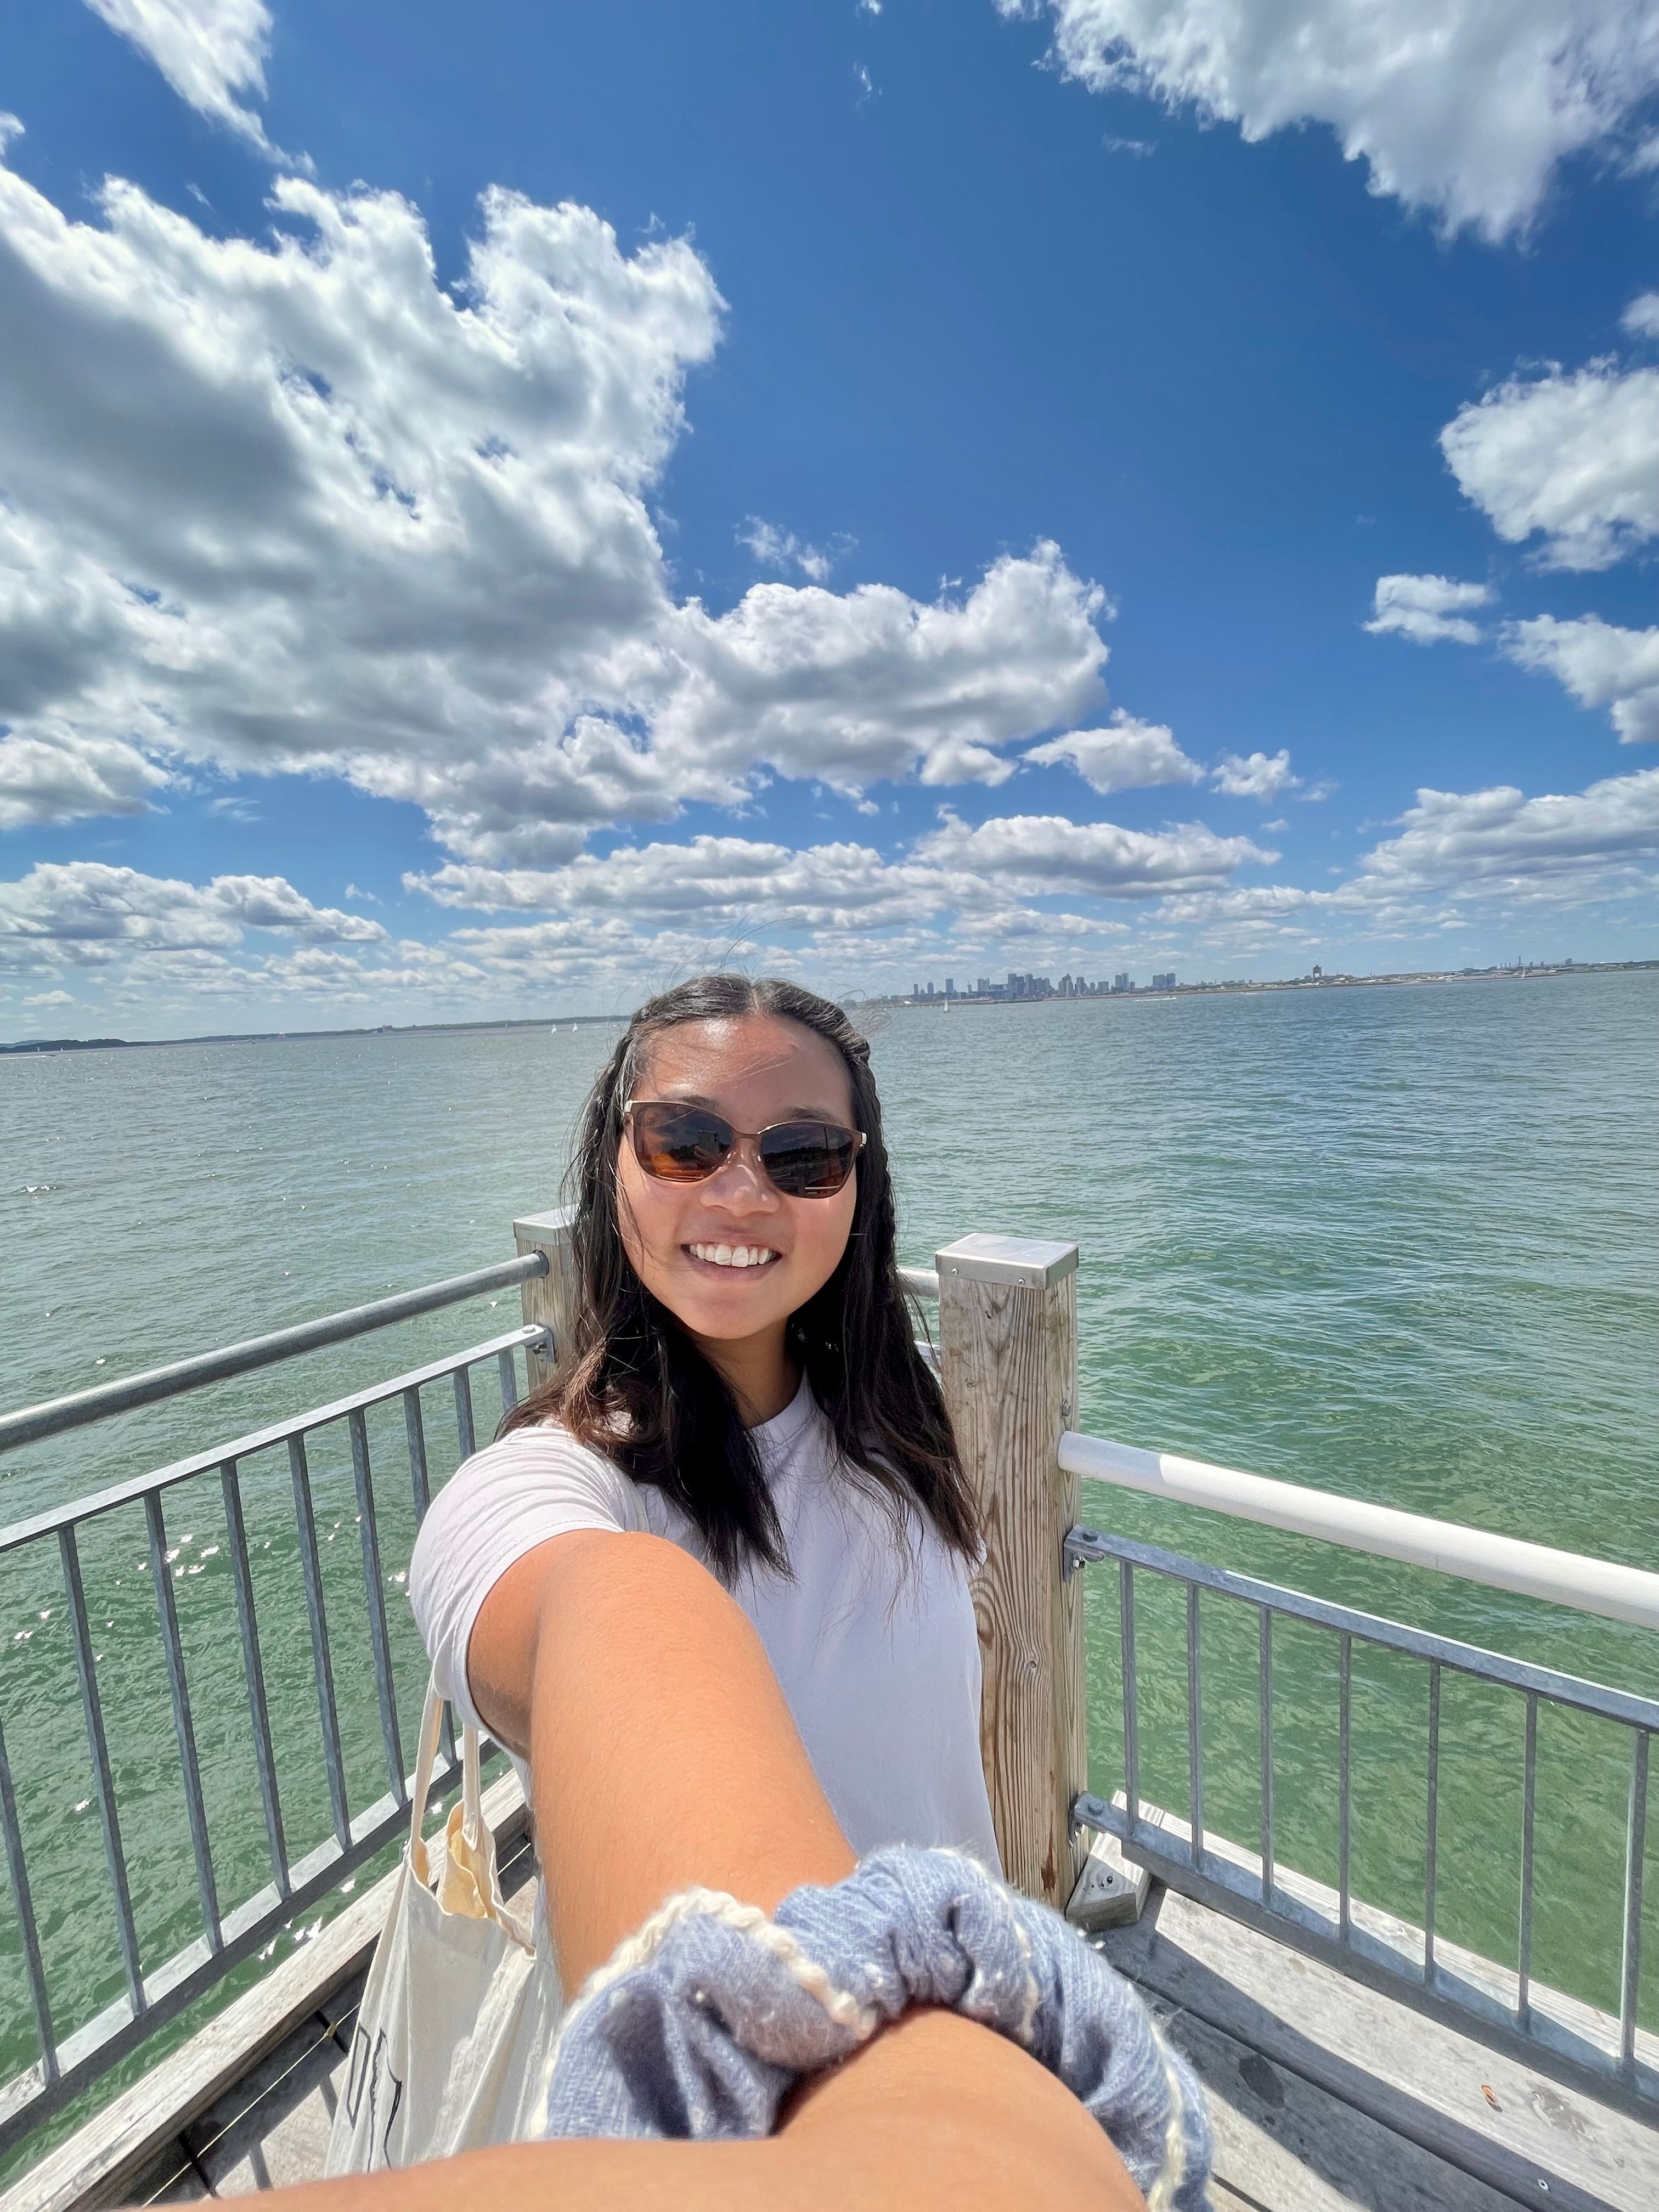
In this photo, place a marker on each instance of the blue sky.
(493, 516)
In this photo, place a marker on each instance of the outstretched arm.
(663, 1755)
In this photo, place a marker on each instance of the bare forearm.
(663, 1752)
(937, 2115)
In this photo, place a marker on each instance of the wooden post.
(546, 1297)
(1008, 1358)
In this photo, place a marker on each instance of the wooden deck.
(1324, 2096)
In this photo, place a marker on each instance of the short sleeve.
(535, 1484)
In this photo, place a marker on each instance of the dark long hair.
(631, 1383)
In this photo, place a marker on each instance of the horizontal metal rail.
(530, 1336)
(1506, 1563)
(30, 1423)
(1087, 1545)
(919, 1282)
(73, 2053)
(1607, 2053)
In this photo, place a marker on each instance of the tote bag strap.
(426, 1760)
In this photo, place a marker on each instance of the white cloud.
(1572, 456)
(295, 506)
(850, 688)
(961, 874)
(207, 51)
(716, 883)
(1459, 856)
(1501, 838)
(1428, 608)
(1044, 853)
(48, 999)
(774, 547)
(83, 911)
(1255, 775)
(1128, 757)
(53, 779)
(1641, 318)
(1458, 106)
(1599, 664)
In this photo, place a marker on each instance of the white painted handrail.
(1599, 1586)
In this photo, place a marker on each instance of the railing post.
(546, 1297)
(1008, 1359)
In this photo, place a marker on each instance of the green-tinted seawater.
(1398, 1242)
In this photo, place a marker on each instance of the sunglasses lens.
(679, 1143)
(809, 1159)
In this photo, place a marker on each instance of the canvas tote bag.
(459, 2011)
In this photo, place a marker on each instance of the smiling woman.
(738, 1375)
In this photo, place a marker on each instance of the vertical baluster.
(1195, 1725)
(420, 1480)
(18, 1875)
(1343, 1786)
(1636, 1829)
(183, 1728)
(1432, 1842)
(415, 1429)
(254, 1668)
(1523, 1994)
(1265, 1716)
(464, 1411)
(103, 1782)
(509, 1380)
(1125, 1608)
(374, 1594)
(317, 1619)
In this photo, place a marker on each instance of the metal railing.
(1607, 2052)
(52, 1418)
(71, 2056)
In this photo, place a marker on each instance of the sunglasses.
(680, 1143)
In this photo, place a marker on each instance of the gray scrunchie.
(703, 2021)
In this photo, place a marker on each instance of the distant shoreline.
(1529, 973)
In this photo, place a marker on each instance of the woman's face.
(754, 1070)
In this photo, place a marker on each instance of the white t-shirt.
(873, 1641)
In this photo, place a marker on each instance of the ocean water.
(1398, 1242)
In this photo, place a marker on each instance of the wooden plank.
(1283, 2143)
(1483, 2111)
(97, 2164)
(1230, 1878)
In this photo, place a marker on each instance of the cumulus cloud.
(1255, 775)
(1572, 457)
(209, 51)
(849, 688)
(1457, 856)
(774, 547)
(1641, 318)
(295, 506)
(1480, 839)
(1456, 106)
(84, 911)
(1428, 608)
(715, 882)
(1039, 853)
(1128, 757)
(1600, 665)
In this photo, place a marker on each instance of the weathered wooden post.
(1008, 1358)
(546, 1297)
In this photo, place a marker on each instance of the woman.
(739, 1377)
(740, 1391)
